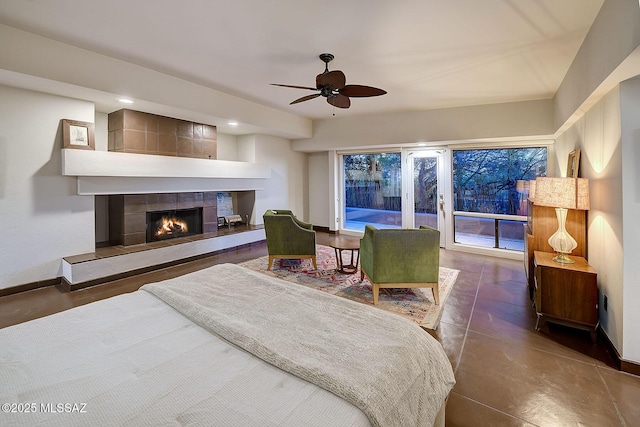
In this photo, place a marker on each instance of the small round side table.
(341, 245)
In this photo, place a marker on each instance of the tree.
(425, 173)
(486, 180)
(369, 178)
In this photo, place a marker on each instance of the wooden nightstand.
(566, 293)
(541, 224)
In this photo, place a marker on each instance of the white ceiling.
(425, 53)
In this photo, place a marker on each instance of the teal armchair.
(400, 258)
(288, 237)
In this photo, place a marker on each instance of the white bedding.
(134, 360)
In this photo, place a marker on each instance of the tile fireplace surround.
(128, 213)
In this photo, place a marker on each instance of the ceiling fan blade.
(339, 101)
(295, 87)
(358, 91)
(335, 78)
(305, 98)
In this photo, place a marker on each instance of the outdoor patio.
(469, 231)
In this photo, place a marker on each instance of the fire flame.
(171, 225)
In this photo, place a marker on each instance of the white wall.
(630, 119)
(320, 181)
(612, 38)
(608, 136)
(287, 187)
(597, 135)
(227, 147)
(42, 218)
(101, 126)
(246, 148)
(509, 120)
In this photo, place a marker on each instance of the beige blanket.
(395, 372)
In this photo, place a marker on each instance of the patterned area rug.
(415, 304)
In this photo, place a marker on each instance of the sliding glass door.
(425, 190)
(372, 185)
(392, 190)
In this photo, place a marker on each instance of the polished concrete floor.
(507, 373)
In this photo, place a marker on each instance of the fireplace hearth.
(171, 224)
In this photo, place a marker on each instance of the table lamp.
(562, 194)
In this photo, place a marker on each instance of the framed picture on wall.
(573, 164)
(77, 134)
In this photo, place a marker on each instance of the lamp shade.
(568, 193)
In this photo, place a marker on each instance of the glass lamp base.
(562, 258)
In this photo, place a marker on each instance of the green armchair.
(400, 258)
(288, 237)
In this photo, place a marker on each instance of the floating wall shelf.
(111, 164)
(108, 172)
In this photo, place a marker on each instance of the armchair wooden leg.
(436, 294)
(270, 262)
(376, 291)
(313, 260)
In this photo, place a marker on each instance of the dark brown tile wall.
(143, 133)
(128, 213)
(209, 212)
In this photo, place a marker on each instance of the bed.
(222, 346)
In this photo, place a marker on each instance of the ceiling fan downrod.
(326, 58)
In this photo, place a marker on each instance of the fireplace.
(170, 224)
(128, 214)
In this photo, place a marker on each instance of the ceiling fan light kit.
(332, 86)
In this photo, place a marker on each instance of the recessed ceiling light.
(125, 101)
(232, 123)
(421, 144)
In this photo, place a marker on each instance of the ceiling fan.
(332, 85)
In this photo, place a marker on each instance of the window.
(372, 186)
(490, 189)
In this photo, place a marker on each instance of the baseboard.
(621, 364)
(630, 367)
(323, 229)
(30, 286)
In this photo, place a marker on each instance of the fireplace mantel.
(110, 163)
(108, 172)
